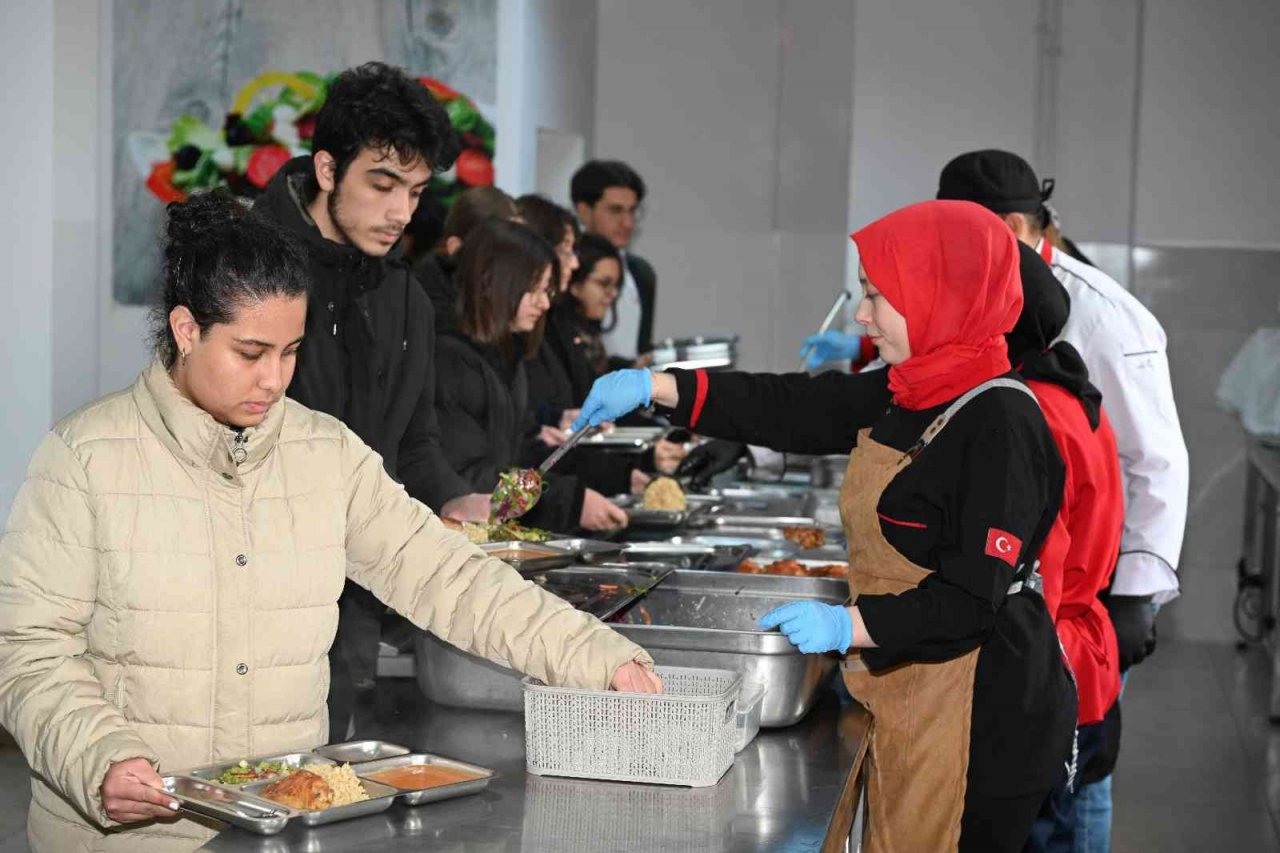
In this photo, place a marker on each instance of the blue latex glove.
(812, 626)
(614, 395)
(830, 346)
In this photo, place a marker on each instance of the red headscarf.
(951, 269)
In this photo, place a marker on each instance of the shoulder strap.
(943, 419)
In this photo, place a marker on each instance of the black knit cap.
(1000, 181)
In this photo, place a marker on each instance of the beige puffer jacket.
(159, 600)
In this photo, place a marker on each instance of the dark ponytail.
(218, 256)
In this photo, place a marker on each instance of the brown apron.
(920, 711)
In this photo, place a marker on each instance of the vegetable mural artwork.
(272, 120)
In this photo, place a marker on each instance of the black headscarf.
(1045, 306)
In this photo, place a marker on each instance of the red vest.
(1079, 555)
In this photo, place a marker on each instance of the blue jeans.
(1093, 804)
(1093, 818)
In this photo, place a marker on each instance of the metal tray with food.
(450, 676)
(378, 798)
(791, 567)
(709, 619)
(588, 550)
(262, 768)
(602, 590)
(526, 557)
(228, 805)
(361, 751)
(425, 778)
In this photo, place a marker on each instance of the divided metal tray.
(243, 805)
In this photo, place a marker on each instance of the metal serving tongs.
(505, 503)
(841, 299)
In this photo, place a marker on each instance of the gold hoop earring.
(183, 353)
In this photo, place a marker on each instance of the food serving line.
(748, 749)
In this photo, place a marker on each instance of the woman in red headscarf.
(953, 483)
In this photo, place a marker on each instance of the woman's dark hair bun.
(218, 255)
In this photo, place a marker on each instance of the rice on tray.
(346, 787)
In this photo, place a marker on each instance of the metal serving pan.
(719, 520)
(294, 760)
(361, 751)
(705, 351)
(380, 799)
(689, 556)
(659, 519)
(631, 439)
(588, 550)
(708, 619)
(450, 676)
(526, 557)
(418, 796)
(602, 590)
(229, 805)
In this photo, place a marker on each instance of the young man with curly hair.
(370, 335)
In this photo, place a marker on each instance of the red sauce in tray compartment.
(417, 777)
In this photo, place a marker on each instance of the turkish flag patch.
(1003, 546)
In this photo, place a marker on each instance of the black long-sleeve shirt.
(993, 468)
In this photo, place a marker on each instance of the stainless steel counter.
(781, 792)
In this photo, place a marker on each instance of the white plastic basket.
(685, 736)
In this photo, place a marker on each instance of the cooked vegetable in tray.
(509, 531)
(244, 773)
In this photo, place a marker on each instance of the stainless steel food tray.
(415, 797)
(602, 590)
(690, 556)
(726, 520)
(634, 439)
(659, 519)
(527, 557)
(702, 351)
(211, 772)
(361, 751)
(380, 799)
(450, 676)
(708, 619)
(228, 805)
(588, 550)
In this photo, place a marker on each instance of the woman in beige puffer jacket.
(169, 583)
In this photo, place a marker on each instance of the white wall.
(546, 81)
(26, 236)
(1207, 174)
(737, 116)
(76, 182)
(933, 80)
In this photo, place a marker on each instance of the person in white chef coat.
(1123, 346)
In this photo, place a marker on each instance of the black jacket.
(559, 374)
(647, 286)
(368, 354)
(439, 279)
(481, 401)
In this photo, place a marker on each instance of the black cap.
(1000, 181)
